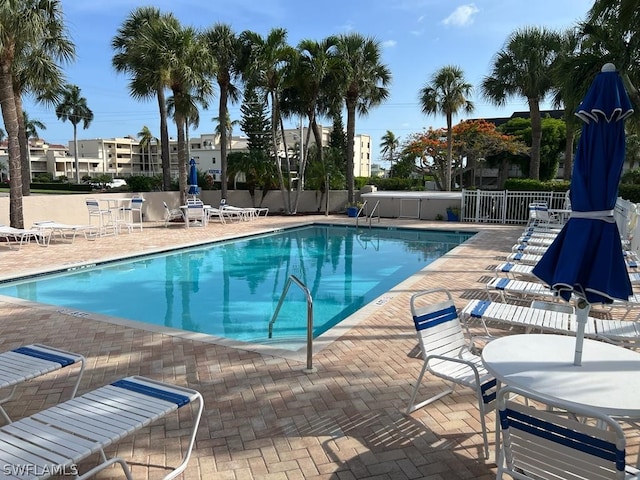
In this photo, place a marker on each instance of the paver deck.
(264, 417)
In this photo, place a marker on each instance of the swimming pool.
(230, 289)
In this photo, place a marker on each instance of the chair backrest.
(136, 203)
(551, 439)
(223, 202)
(437, 323)
(92, 205)
(195, 210)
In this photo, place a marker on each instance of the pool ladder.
(293, 279)
(371, 215)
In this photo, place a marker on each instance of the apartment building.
(124, 157)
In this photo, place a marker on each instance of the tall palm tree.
(145, 139)
(309, 92)
(225, 128)
(363, 81)
(141, 51)
(27, 26)
(269, 58)
(447, 94)
(389, 145)
(572, 75)
(611, 31)
(226, 49)
(189, 79)
(74, 108)
(36, 71)
(524, 68)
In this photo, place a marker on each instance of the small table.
(608, 379)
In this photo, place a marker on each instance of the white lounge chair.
(19, 236)
(446, 353)
(546, 438)
(31, 361)
(55, 440)
(623, 332)
(65, 232)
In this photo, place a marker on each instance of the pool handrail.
(293, 279)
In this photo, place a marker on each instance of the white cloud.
(389, 43)
(462, 16)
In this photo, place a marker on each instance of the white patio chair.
(548, 439)
(196, 214)
(171, 214)
(447, 355)
(103, 216)
(133, 213)
(57, 439)
(64, 231)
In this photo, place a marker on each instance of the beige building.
(122, 157)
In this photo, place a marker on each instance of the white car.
(116, 182)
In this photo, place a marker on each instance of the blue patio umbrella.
(586, 259)
(193, 178)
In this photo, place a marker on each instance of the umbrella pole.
(582, 313)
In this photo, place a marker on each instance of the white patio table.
(608, 379)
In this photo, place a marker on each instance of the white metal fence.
(505, 207)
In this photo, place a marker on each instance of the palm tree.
(363, 81)
(524, 68)
(447, 93)
(189, 70)
(73, 107)
(313, 93)
(36, 71)
(269, 58)
(389, 144)
(27, 26)
(225, 128)
(141, 51)
(226, 49)
(146, 137)
(611, 32)
(31, 126)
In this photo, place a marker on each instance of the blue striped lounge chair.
(447, 353)
(31, 361)
(54, 441)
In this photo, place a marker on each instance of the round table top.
(608, 379)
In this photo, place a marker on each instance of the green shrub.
(629, 192)
(530, 185)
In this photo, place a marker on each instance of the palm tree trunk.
(182, 157)
(76, 163)
(536, 138)
(351, 130)
(164, 141)
(222, 115)
(274, 139)
(449, 151)
(23, 140)
(10, 118)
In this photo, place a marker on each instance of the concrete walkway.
(264, 418)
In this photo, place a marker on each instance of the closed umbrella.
(193, 178)
(586, 259)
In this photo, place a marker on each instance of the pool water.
(231, 289)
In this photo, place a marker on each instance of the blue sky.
(418, 38)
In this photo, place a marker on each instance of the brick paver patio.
(264, 417)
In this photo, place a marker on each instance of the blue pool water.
(231, 289)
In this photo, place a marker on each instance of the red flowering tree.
(473, 140)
